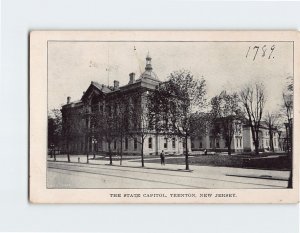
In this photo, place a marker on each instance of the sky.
(224, 65)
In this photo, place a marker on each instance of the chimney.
(68, 99)
(131, 78)
(116, 84)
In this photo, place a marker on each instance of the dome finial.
(148, 62)
(148, 56)
(148, 73)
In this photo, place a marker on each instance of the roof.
(101, 87)
(147, 79)
(73, 104)
(149, 74)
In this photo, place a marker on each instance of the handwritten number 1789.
(260, 51)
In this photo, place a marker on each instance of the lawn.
(272, 162)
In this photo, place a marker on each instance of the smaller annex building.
(241, 142)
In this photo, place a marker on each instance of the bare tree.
(121, 121)
(103, 123)
(54, 130)
(226, 115)
(253, 99)
(273, 122)
(175, 102)
(288, 106)
(71, 127)
(139, 119)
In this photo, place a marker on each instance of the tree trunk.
(229, 140)
(110, 156)
(290, 154)
(54, 155)
(121, 154)
(271, 140)
(256, 143)
(68, 152)
(290, 158)
(142, 153)
(94, 151)
(229, 147)
(290, 181)
(87, 150)
(255, 138)
(186, 154)
(256, 149)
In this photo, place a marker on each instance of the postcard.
(164, 116)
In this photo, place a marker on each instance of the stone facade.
(264, 139)
(78, 125)
(217, 143)
(241, 142)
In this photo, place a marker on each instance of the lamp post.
(51, 149)
(94, 142)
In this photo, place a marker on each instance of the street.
(98, 174)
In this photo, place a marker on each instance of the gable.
(93, 90)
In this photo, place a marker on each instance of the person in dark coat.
(162, 158)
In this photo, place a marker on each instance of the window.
(135, 143)
(183, 144)
(115, 144)
(151, 121)
(166, 143)
(126, 143)
(173, 143)
(166, 121)
(150, 143)
(192, 144)
(115, 109)
(200, 145)
(108, 110)
(217, 143)
(94, 108)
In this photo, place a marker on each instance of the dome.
(148, 73)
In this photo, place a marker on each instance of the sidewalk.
(270, 178)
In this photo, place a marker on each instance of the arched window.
(94, 104)
(173, 143)
(135, 143)
(150, 143)
(126, 143)
(166, 143)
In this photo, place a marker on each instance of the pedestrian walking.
(162, 158)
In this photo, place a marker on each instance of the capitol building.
(83, 133)
(77, 116)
